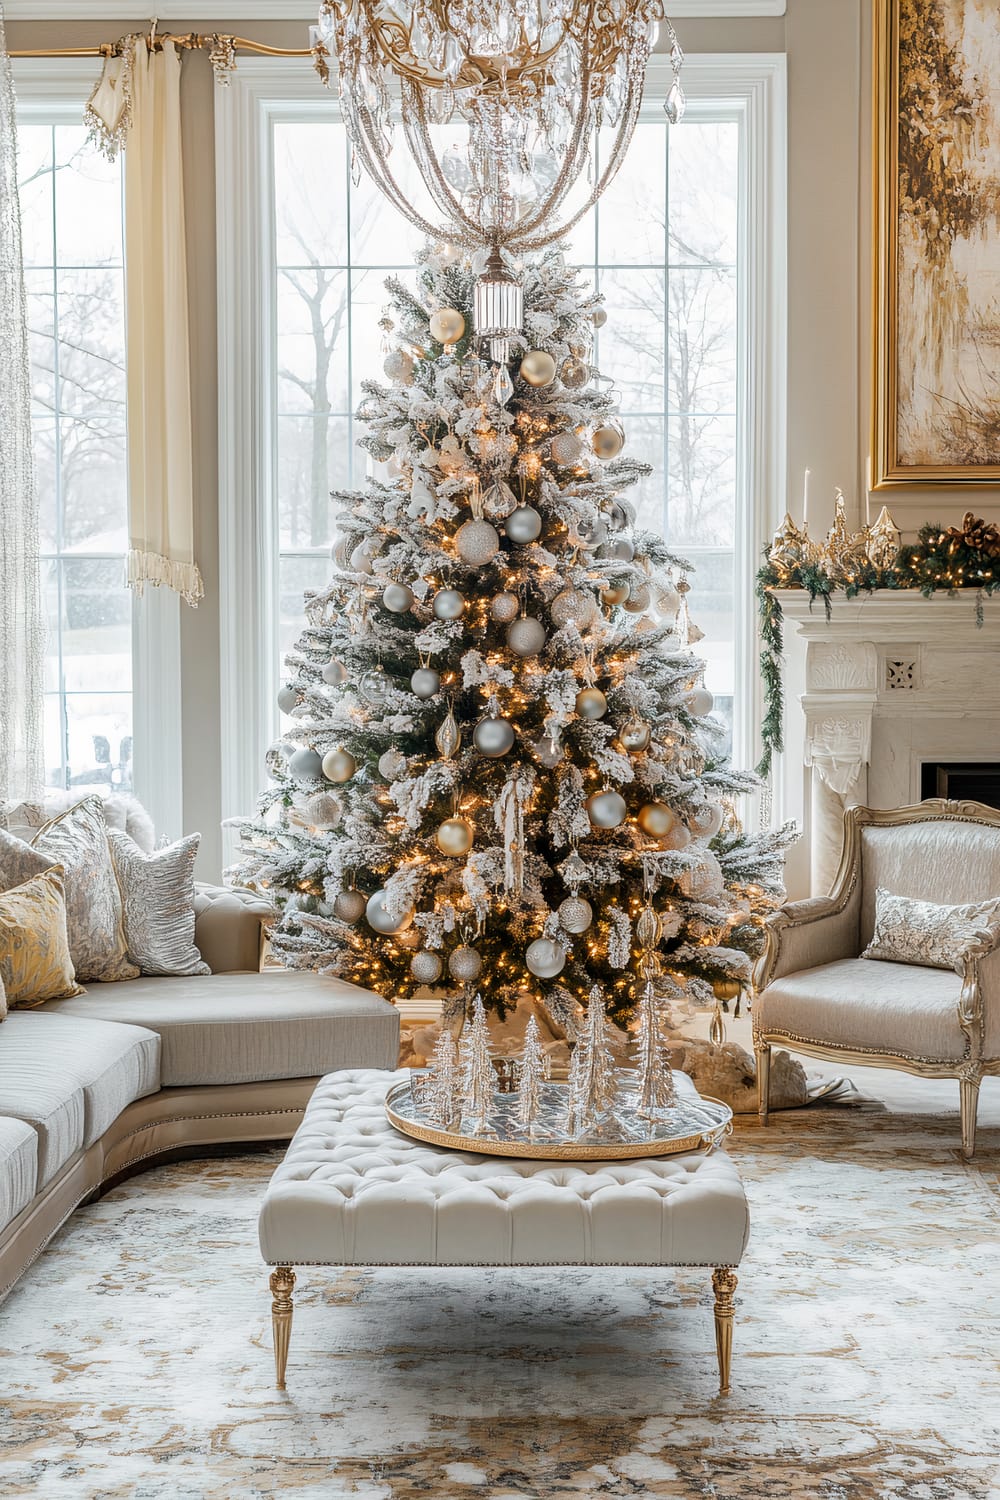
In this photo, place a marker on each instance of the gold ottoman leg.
(282, 1282)
(724, 1287)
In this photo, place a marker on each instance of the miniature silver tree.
(532, 1070)
(655, 1081)
(443, 1094)
(592, 1084)
(479, 1079)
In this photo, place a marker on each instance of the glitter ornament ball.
(322, 811)
(576, 606)
(334, 673)
(493, 737)
(526, 636)
(397, 598)
(504, 608)
(615, 593)
(448, 604)
(638, 599)
(524, 524)
(608, 442)
(575, 914)
(455, 836)
(349, 906)
(591, 703)
(538, 368)
(635, 736)
(425, 966)
(574, 374)
(566, 449)
(288, 699)
(425, 682)
(447, 325)
(339, 765)
(545, 958)
(379, 918)
(699, 702)
(465, 964)
(398, 366)
(306, 765)
(606, 809)
(656, 819)
(391, 764)
(478, 543)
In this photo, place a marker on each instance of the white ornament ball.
(575, 914)
(599, 317)
(322, 811)
(591, 703)
(455, 836)
(361, 561)
(545, 958)
(576, 606)
(504, 607)
(391, 764)
(465, 964)
(526, 636)
(538, 368)
(493, 737)
(288, 699)
(707, 820)
(608, 442)
(447, 325)
(398, 366)
(397, 598)
(638, 599)
(448, 604)
(524, 524)
(349, 905)
(425, 966)
(425, 682)
(339, 765)
(478, 542)
(699, 702)
(379, 918)
(606, 809)
(307, 765)
(566, 449)
(334, 672)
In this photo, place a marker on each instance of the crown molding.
(169, 11)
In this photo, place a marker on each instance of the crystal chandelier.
(519, 87)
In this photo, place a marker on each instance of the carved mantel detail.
(838, 748)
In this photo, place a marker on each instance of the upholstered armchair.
(816, 994)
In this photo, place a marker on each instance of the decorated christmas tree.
(500, 748)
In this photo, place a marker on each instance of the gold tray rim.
(433, 1135)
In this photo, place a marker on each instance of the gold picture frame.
(936, 398)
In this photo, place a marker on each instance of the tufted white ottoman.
(353, 1191)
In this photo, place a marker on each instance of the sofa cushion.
(35, 962)
(70, 1078)
(245, 1028)
(865, 1004)
(227, 927)
(18, 1168)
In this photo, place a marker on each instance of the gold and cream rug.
(136, 1353)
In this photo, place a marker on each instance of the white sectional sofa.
(93, 1087)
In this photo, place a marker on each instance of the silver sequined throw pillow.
(158, 897)
(921, 932)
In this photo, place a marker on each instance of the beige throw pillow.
(158, 894)
(908, 931)
(35, 963)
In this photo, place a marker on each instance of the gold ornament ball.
(455, 836)
(339, 765)
(591, 703)
(477, 542)
(504, 608)
(426, 966)
(726, 989)
(447, 325)
(608, 442)
(615, 593)
(656, 819)
(606, 809)
(538, 368)
(635, 736)
(465, 964)
(349, 905)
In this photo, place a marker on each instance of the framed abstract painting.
(936, 392)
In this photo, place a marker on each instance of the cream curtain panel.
(22, 627)
(161, 499)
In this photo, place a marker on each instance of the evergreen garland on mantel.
(942, 560)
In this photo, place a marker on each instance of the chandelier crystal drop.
(517, 88)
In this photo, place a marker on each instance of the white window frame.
(752, 85)
(56, 88)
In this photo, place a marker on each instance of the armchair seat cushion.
(870, 1006)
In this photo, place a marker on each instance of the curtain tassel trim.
(150, 567)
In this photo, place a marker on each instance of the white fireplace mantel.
(887, 682)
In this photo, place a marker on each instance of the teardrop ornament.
(448, 737)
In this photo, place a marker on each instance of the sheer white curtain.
(22, 629)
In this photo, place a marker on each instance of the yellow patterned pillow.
(34, 952)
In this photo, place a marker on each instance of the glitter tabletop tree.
(532, 1071)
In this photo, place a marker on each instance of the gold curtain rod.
(190, 41)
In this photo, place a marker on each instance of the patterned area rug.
(137, 1362)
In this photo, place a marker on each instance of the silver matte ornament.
(379, 918)
(575, 914)
(334, 673)
(606, 809)
(478, 542)
(504, 608)
(288, 698)
(465, 963)
(448, 604)
(397, 598)
(699, 702)
(391, 764)
(706, 821)
(523, 525)
(425, 682)
(538, 367)
(339, 765)
(591, 703)
(349, 906)
(622, 549)
(493, 737)
(526, 636)
(307, 765)
(426, 967)
(545, 958)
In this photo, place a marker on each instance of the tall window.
(663, 245)
(71, 208)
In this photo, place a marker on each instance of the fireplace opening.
(969, 782)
